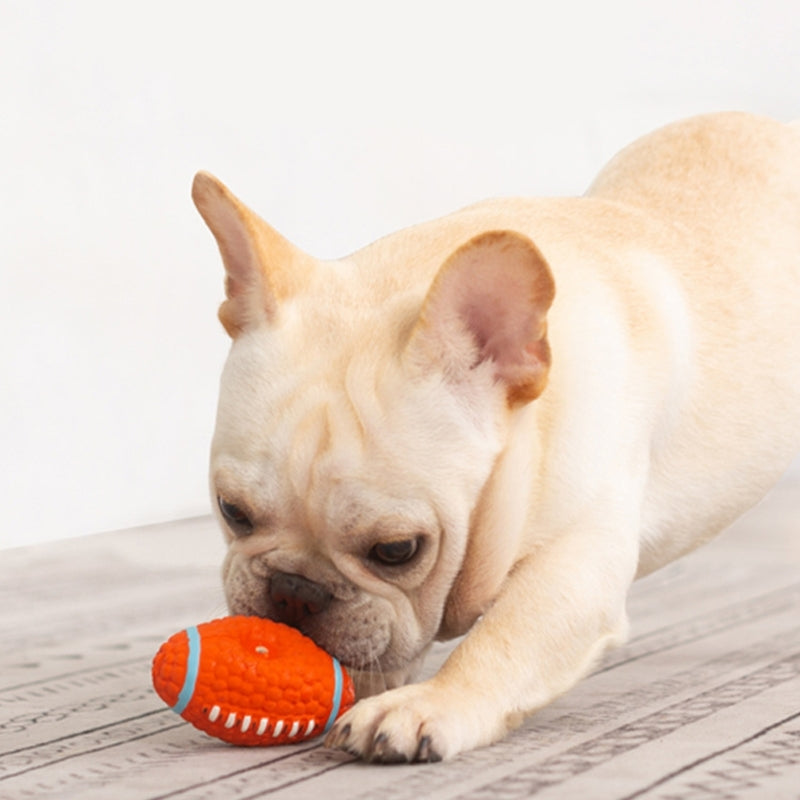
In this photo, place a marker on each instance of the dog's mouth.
(358, 629)
(359, 639)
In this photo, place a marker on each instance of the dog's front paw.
(413, 723)
(400, 725)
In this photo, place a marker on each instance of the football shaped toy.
(251, 681)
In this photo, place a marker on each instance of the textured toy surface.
(251, 681)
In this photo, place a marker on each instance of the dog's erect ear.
(262, 268)
(489, 303)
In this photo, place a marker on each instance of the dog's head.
(362, 408)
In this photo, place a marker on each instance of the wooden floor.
(702, 704)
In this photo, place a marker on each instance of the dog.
(491, 424)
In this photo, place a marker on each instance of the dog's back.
(729, 186)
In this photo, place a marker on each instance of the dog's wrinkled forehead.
(304, 421)
(278, 382)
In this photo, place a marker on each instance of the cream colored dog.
(496, 421)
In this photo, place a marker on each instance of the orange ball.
(251, 681)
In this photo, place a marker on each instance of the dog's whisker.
(371, 677)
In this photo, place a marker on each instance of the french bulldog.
(492, 423)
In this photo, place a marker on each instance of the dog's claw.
(380, 748)
(383, 752)
(337, 737)
(425, 751)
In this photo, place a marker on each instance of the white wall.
(338, 121)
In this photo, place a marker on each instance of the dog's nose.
(294, 598)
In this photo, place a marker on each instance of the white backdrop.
(338, 122)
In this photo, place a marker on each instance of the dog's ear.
(488, 305)
(262, 268)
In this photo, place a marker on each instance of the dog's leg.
(556, 614)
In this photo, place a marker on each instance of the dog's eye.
(234, 515)
(393, 554)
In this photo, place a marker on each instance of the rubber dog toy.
(251, 681)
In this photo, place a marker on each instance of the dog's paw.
(413, 723)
